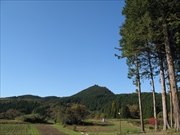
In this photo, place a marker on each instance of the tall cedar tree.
(145, 21)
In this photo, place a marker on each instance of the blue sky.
(58, 48)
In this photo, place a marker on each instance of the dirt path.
(45, 129)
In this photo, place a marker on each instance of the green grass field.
(18, 129)
(110, 127)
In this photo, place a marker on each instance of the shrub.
(11, 114)
(136, 123)
(74, 127)
(132, 131)
(64, 125)
(146, 121)
(2, 115)
(152, 121)
(32, 118)
(74, 115)
(160, 115)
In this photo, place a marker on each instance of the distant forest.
(93, 102)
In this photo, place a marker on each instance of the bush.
(74, 127)
(2, 115)
(152, 121)
(32, 118)
(132, 131)
(160, 115)
(146, 121)
(74, 115)
(10, 114)
(136, 123)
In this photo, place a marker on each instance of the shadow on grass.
(97, 124)
(89, 124)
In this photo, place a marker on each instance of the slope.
(94, 97)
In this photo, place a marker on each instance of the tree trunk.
(154, 104)
(171, 109)
(153, 91)
(164, 101)
(173, 85)
(139, 96)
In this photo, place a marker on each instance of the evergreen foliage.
(99, 106)
(150, 43)
(125, 113)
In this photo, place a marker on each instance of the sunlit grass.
(18, 129)
(111, 127)
(71, 132)
(32, 130)
(61, 128)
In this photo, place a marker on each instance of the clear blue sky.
(58, 48)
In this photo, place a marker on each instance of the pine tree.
(157, 23)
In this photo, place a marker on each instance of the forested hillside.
(94, 98)
(99, 101)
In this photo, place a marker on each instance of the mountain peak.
(94, 90)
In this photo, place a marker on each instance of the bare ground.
(45, 129)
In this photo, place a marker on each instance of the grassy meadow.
(96, 127)
(111, 127)
(18, 129)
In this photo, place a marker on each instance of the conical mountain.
(94, 91)
(94, 97)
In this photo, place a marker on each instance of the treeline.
(150, 42)
(128, 105)
(40, 111)
(93, 102)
